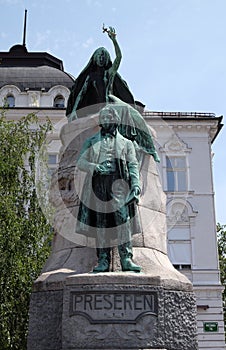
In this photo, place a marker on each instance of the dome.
(34, 78)
(32, 70)
(18, 48)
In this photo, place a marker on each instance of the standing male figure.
(110, 192)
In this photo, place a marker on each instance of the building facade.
(37, 83)
(185, 141)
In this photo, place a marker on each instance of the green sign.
(210, 326)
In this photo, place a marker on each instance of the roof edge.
(19, 56)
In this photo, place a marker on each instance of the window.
(176, 174)
(179, 252)
(179, 233)
(59, 101)
(10, 101)
(180, 216)
(52, 163)
(52, 159)
(182, 267)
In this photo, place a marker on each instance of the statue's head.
(109, 117)
(101, 57)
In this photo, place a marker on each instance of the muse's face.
(101, 57)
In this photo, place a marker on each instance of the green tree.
(221, 237)
(25, 234)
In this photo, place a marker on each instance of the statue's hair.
(113, 111)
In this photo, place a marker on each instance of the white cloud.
(9, 2)
(88, 43)
(95, 3)
(3, 35)
(41, 38)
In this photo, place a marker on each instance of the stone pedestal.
(111, 311)
(72, 308)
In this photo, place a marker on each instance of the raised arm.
(114, 68)
(118, 53)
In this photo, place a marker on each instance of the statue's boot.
(103, 260)
(126, 255)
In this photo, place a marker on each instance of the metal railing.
(178, 114)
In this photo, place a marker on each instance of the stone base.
(112, 311)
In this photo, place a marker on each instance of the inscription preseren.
(105, 307)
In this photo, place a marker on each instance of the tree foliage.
(24, 230)
(221, 236)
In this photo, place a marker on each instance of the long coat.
(91, 209)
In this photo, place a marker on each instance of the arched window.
(10, 101)
(59, 101)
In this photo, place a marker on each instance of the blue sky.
(174, 51)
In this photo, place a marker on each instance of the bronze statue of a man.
(110, 192)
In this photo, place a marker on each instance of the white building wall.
(198, 226)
